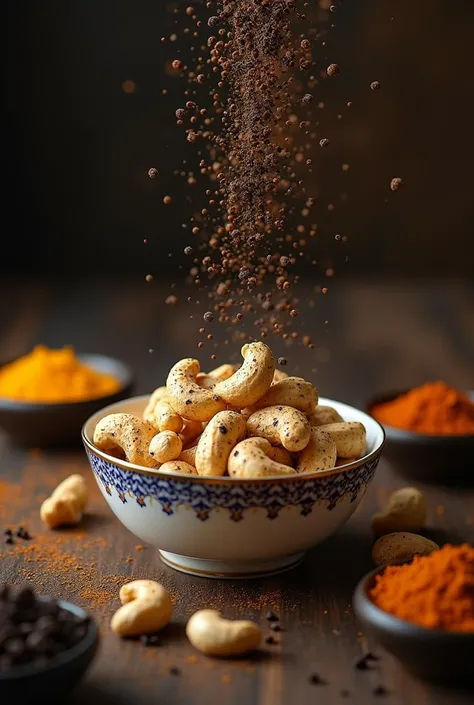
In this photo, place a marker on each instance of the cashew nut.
(209, 380)
(160, 394)
(146, 608)
(189, 455)
(405, 511)
(349, 437)
(213, 635)
(401, 548)
(179, 466)
(252, 380)
(164, 417)
(251, 458)
(281, 455)
(186, 396)
(291, 391)
(278, 375)
(218, 438)
(66, 504)
(190, 431)
(165, 446)
(127, 433)
(281, 425)
(319, 454)
(323, 415)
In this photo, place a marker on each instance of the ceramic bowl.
(427, 653)
(37, 684)
(48, 425)
(427, 458)
(226, 527)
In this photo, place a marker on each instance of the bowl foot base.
(230, 570)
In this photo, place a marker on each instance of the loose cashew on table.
(67, 503)
(146, 608)
(213, 635)
(198, 423)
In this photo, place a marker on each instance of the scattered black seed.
(223, 429)
(9, 540)
(272, 617)
(365, 662)
(276, 628)
(174, 671)
(315, 679)
(271, 640)
(208, 316)
(380, 690)
(282, 361)
(8, 532)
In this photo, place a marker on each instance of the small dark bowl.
(445, 459)
(51, 683)
(431, 654)
(48, 425)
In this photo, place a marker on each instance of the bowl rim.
(126, 382)
(89, 640)
(384, 620)
(402, 434)
(231, 481)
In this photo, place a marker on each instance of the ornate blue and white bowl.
(226, 527)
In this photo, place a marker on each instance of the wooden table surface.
(381, 336)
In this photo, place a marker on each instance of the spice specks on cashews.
(202, 420)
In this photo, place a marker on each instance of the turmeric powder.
(54, 376)
(434, 409)
(434, 591)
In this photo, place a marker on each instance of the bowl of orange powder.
(429, 431)
(422, 612)
(46, 395)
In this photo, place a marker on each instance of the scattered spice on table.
(315, 679)
(272, 617)
(380, 690)
(366, 661)
(434, 409)
(54, 376)
(434, 591)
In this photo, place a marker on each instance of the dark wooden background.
(383, 335)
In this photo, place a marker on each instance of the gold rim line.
(220, 574)
(230, 481)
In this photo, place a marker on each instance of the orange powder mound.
(434, 591)
(434, 409)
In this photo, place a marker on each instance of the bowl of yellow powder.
(46, 395)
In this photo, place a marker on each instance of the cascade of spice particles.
(248, 112)
(252, 145)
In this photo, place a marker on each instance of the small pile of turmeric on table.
(435, 409)
(53, 376)
(434, 591)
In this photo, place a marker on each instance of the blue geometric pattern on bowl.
(203, 497)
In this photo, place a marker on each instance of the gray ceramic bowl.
(428, 653)
(44, 684)
(48, 425)
(446, 459)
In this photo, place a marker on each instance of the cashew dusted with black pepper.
(323, 415)
(281, 425)
(186, 396)
(218, 438)
(67, 503)
(252, 380)
(165, 446)
(319, 454)
(252, 458)
(179, 466)
(291, 391)
(401, 548)
(213, 635)
(160, 394)
(164, 417)
(405, 511)
(209, 380)
(129, 434)
(146, 608)
(349, 437)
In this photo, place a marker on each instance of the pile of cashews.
(253, 421)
